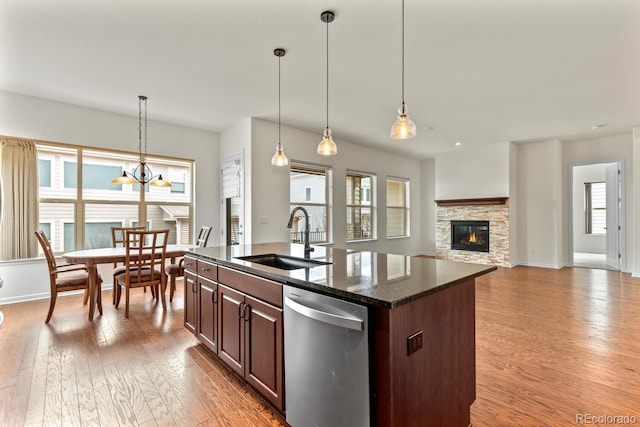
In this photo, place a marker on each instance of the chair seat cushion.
(122, 268)
(174, 270)
(75, 278)
(133, 275)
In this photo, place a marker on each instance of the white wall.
(36, 118)
(583, 242)
(473, 173)
(514, 255)
(427, 198)
(270, 185)
(540, 204)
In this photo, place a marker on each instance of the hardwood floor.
(551, 345)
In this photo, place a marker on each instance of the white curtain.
(18, 198)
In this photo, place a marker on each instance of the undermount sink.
(284, 262)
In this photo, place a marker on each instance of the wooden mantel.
(478, 201)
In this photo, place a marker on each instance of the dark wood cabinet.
(190, 300)
(207, 330)
(238, 316)
(263, 342)
(231, 328)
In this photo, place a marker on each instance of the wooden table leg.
(93, 279)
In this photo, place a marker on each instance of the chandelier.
(142, 173)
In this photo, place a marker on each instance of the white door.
(232, 191)
(613, 216)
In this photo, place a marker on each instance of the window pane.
(51, 162)
(44, 172)
(358, 190)
(53, 217)
(395, 193)
(358, 223)
(98, 170)
(303, 180)
(173, 218)
(169, 169)
(99, 218)
(317, 225)
(396, 224)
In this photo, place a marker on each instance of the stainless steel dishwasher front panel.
(326, 350)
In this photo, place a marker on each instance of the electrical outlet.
(414, 343)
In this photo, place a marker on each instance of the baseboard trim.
(43, 295)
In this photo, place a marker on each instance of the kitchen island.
(421, 322)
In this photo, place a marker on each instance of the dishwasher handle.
(334, 319)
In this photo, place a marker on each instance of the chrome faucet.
(307, 248)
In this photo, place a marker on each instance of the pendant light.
(403, 128)
(279, 159)
(142, 173)
(327, 147)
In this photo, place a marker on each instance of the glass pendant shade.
(279, 158)
(403, 128)
(327, 147)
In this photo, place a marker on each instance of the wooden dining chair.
(177, 270)
(117, 240)
(66, 277)
(145, 256)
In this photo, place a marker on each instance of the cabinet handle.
(193, 287)
(240, 309)
(246, 316)
(214, 296)
(205, 269)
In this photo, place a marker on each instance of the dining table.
(92, 257)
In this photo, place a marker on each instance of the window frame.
(80, 201)
(369, 204)
(588, 208)
(314, 169)
(406, 206)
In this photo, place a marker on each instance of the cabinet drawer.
(208, 270)
(190, 264)
(258, 287)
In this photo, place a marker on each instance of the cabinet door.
(190, 297)
(231, 327)
(263, 349)
(207, 309)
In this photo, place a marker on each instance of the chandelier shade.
(142, 173)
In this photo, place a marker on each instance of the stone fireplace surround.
(495, 210)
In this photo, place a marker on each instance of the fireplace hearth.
(470, 236)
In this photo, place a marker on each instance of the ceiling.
(477, 72)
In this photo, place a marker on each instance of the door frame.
(621, 213)
(223, 226)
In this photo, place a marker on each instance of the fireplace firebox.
(470, 236)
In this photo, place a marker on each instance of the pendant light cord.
(279, 143)
(328, 73)
(402, 52)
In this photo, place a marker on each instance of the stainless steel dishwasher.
(326, 359)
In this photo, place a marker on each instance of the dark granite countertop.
(371, 278)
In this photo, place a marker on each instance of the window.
(177, 180)
(595, 196)
(309, 188)
(44, 173)
(69, 192)
(397, 207)
(360, 209)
